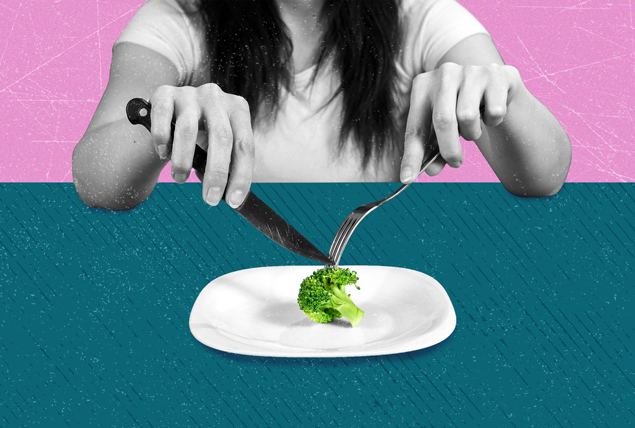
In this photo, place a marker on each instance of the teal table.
(95, 305)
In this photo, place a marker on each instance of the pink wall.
(577, 57)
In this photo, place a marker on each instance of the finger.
(495, 98)
(185, 132)
(435, 167)
(161, 117)
(242, 155)
(444, 118)
(219, 134)
(418, 128)
(468, 104)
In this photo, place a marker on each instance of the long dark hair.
(251, 53)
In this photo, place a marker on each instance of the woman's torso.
(302, 144)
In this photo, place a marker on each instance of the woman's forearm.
(115, 166)
(529, 151)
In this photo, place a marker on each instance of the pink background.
(576, 56)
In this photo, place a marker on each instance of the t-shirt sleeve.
(164, 27)
(432, 28)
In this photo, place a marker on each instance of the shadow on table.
(327, 362)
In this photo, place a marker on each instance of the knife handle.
(138, 112)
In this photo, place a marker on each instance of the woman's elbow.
(103, 198)
(545, 181)
(534, 191)
(543, 185)
(99, 190)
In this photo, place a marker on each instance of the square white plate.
(255, 312)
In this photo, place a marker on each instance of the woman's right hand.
(230, 144)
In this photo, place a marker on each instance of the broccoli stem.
(346, 307)
(352, 313)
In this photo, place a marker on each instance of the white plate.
(255, 312)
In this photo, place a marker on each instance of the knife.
(252, 209)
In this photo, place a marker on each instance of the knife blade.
(253, 209)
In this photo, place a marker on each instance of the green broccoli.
(323, 296)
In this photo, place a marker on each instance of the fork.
(352, 221)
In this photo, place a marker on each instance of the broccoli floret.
(323, 296)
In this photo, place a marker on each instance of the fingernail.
(236, 198)
(406, 175)
(180, 178)
(455, 164)
(213, 196)
(162, 150)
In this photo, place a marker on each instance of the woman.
(311, 90)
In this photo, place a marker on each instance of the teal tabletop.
(95, 306)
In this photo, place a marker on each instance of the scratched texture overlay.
(576, 56)
(94, 309)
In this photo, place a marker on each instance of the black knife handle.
(138, 112)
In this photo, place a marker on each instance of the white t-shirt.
(301, 145)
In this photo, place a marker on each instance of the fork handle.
(431, 154)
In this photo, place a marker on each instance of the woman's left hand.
(450, 102)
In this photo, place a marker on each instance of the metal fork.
(352, 221)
